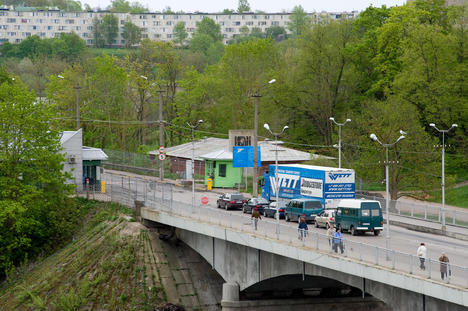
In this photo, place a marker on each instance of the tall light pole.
(276, 135)
(161, 128)
(193, 127)
(339, 137)
(443, 168)
(255, 139)
(387, 201)
(77, 94)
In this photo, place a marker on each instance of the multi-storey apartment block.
(16, 24)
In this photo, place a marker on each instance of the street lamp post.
(443, 168)
(77, 94)
(193, 127)
(255, 140)
(387, 201)
(276, 135)
(339, 137)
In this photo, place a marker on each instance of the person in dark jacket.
(302, 228)
(255, 217)
(444, 266)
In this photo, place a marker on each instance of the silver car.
(325, 218)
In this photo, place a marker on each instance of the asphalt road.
(402, 241)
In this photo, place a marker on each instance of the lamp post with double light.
(77, 94)
(387, 199)
(256, 95)
(276, 135)
(443, 168)
(339, 137)
(193, 127)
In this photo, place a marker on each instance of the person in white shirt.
(422, 252)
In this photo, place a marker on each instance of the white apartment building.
(16, 25)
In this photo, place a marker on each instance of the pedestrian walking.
(255, 217)
(302, 228)
(422, 252)
(330, 233)
(444, 266)
(338, 241)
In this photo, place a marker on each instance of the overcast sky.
(263, 5)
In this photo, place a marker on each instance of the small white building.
(80, 161)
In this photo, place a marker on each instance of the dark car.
(259, 203)
(231, 201)
(273, 208)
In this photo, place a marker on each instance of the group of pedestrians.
(445, 271)
(335, 240)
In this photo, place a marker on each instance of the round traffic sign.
(161, 149)
(162, 156)
(204, 200)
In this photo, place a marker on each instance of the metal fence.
(426, 211)
(174, 200)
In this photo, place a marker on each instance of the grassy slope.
(106, 267)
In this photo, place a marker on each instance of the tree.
(110, 28)
(298, 21)
(276, 33)
(98, 33)
(33, 189)
(408, 170)
(180, 33)
(228, 11)
(209, 27)
(243, 6)
(131, 34)
(124, 6)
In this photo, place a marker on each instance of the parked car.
(298, 207)
(259, 203)
(325, 218)
(231, 201)
(273, 208)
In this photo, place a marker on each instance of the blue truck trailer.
(298, 181)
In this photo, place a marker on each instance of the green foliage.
(180, 34)
(243, 6)
(299, 21)
(110, 28)
(209, 27)
(35, 213)
(68, 46)
(63, 5)
(124, 6)
(131, 34)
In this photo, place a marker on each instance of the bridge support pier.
(230, 293)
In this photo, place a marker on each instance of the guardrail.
(424, 211)
(126, 190)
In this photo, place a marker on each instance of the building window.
(11, 20)
(236, 23)
(261, 23)
(276, 23)
(222, 170)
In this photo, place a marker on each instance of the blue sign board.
(243, 156)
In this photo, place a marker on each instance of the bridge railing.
(172, 200)
(426, 211)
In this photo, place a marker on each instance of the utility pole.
(161, 133)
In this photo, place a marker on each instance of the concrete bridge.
(252, 262)
(273, 261)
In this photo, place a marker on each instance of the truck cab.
(298, 207)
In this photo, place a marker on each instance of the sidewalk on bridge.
(427, 226)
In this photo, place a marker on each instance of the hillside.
(114, 263)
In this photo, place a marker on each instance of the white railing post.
(377, 255)
(393, 259)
